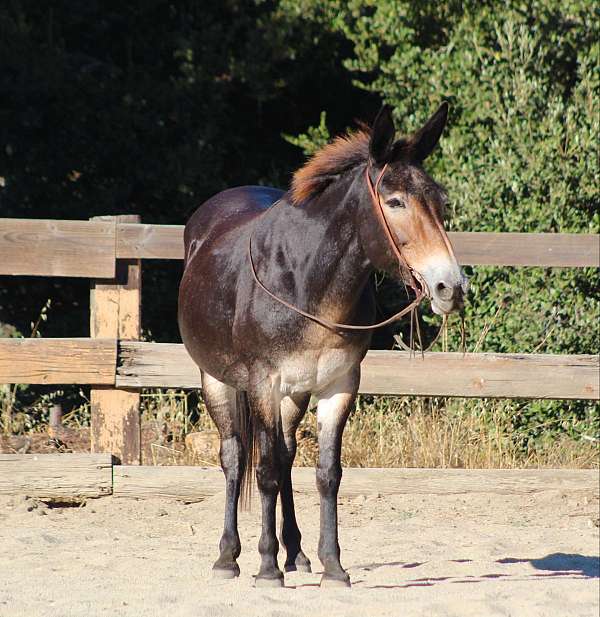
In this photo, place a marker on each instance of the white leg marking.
(334, 401)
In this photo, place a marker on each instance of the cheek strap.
(412, 278)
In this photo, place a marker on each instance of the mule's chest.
(313, 371)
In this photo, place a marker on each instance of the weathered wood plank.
(472, 248)
(57, 248)
(115, 312)
(395, 372)
(87, 249)
(482, 375)
(173, 482)
(149, 241)
(197, 483)
(525, 249)
(55, 476)
(58, 361)
(167, 365)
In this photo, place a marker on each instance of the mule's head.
(413, 205)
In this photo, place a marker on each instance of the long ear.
(382, 136)
(423, 141)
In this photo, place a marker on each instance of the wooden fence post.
(115, 312)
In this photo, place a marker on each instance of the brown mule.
(265, 340)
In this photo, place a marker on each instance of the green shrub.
(519, 154)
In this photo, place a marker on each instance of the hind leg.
(292, 412)
(265, 407)
(220, 401)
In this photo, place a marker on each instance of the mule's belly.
(315, 371)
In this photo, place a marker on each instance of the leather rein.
(415, 280)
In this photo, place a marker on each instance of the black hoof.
(339, 580)
(274, 578)
(300, 564)
(225, 571)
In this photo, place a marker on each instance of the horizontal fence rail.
(149, 241)
(79, 476)
(91, 248)
(58, 361)
(132, 364)
(189, 483)
(523, 249)
(57, 248)
(56, 476)
(397, 372)
(472, 248)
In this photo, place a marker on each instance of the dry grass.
(381, 432)
(389, 432)
(406, 432)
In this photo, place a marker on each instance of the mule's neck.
(315, 256)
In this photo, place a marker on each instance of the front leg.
(332, 412)
(293, 409)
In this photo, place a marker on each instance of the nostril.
(444, 291)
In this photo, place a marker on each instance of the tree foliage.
(520, 153)
(152, 106)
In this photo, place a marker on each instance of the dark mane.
(337, 157)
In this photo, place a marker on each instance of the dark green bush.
(520, 153)
(151, 106)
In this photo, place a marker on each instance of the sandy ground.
(458, 555)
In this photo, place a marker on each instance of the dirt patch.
(412, 555)
(159, 446)
(75, 440)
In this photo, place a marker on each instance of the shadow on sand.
(562, 562)
(555, 565)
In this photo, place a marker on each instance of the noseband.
(414, 279)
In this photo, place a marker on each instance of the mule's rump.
(226, 211)
(215, 240)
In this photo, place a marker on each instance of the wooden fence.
(108, 251)
(66, 477)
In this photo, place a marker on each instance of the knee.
(328, 479)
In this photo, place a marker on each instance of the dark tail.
(247, 438)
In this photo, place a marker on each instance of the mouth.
(444, 298)
(445, 308)
(438, 306)
(453, 304)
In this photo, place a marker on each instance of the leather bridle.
(415, 281)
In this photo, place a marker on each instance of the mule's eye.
(394, 202)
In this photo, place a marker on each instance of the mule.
(276, 304)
